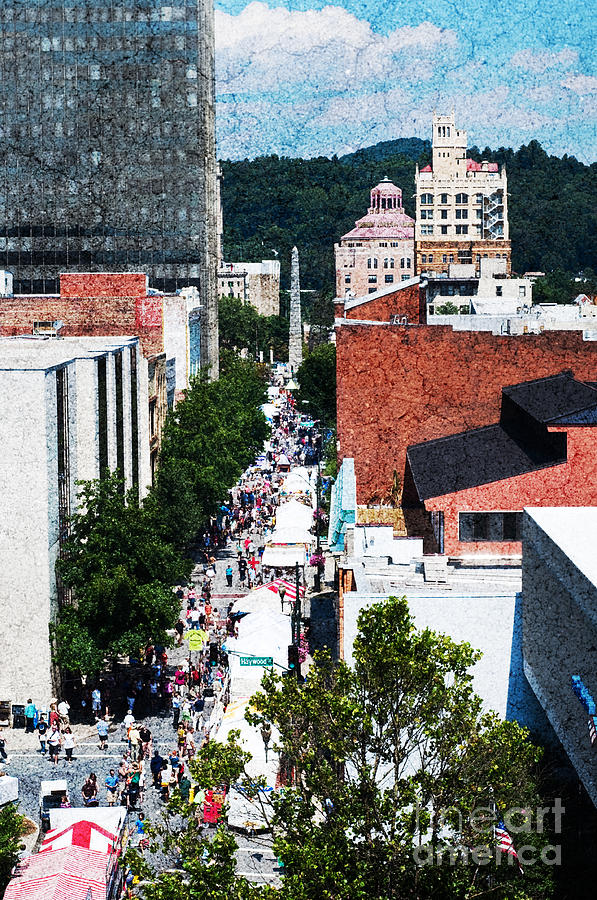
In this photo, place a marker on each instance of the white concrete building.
(70, 410)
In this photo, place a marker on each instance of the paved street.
(255, 857)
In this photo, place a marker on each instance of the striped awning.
(70, 874)
(289, 585)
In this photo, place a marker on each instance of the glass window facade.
(106, 117)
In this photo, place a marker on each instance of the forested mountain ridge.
(272, 203)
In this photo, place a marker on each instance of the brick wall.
(107, 285)
(400, 385)
(85, 317)
(408, 301)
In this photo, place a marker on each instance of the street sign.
(257, 661)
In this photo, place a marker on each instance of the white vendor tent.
(284, 556)
(294, 514)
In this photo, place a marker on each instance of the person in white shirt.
(63, 709)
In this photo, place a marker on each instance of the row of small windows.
(449, 257)
(388, 262)
(427, 214)
(443, 229)
(427, 199)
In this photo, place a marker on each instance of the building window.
(426, 199)
(347, 279)
(445, 258)
(478, 198)
(102, 409)
(408, 263)
(462, 213)
(389, 279)
(462, 229)
(430, 258)
(522, 291)
(443, 229)
(461, 198)
(372, 290)
(479, 213)
(426, 213)
(373, 279)
(402, 263)
(372, 263)
(426, 229)
(443, 198)
(489, 526)
(394, 244)
(499, 290)
(443, 213)
(404, 278)
(383, 243)
(388, 262)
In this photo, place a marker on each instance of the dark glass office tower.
(107, 132)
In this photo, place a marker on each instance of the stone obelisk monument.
(295, 341)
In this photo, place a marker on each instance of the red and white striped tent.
(70, 874)
(86, 834)
(289, 585)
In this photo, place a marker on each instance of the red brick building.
(109, 304)
(400, 384)
(466, 492)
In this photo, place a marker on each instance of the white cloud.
(264, 48)
(540, 61)
(581, 84)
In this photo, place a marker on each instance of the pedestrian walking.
(54, 743)
(156, 765)
(179, 628)
(102, 732)
(3, 753)
(63, 711)
(229, 575)
(175, 711)
(89, 791)
(30, 717)
(42, 729)
(69, 744)
(96, 702)
(112, 783)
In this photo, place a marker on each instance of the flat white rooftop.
(37, 353)
(574, 529)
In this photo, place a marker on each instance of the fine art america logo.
(486, 835)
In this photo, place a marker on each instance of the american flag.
(504, 843)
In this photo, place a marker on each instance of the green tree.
(240, 326)
(120, 570)
(317, 379)
(12, 828)
(447, 309)
(393, 762)
(210, 437)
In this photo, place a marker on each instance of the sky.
(302, 78)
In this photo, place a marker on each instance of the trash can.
(18, 716)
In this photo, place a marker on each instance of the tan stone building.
(254, 283)
(379, 251)
(462, 205)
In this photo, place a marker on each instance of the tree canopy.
(396, 777)
(242, 326)
(210, 438)
(317, 380)
(120, 571)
